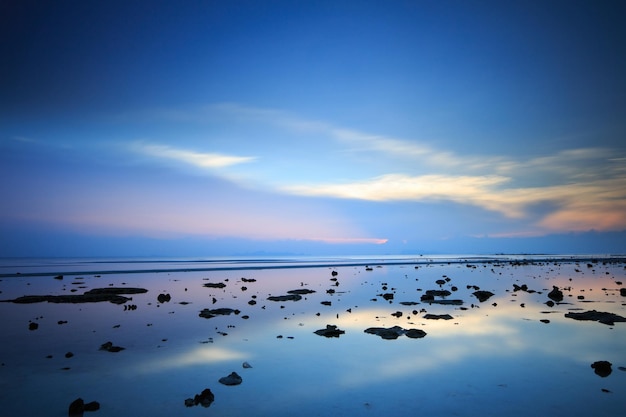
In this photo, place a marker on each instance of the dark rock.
(33, 326)
(438, 317)
(109, 347)
(205, 399)
(622, 292)
(599, 316)
(290, 297)
(397, 314)
(77, 408)
(388, 296)
(59, 277)
(92, 406)
(330, 331)
(210, 313)
(602, 368)
(483, 295)
(214, 285)
(438, 293)
(69, 355)
(556, 294)
(164, 298)
(326, 303)
(301, 291)
(111, 294)
(394, 332)
(334, 273)
(232, 379)
(550, 303)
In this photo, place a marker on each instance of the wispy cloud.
(198, 159)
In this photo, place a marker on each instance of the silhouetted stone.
(77, 408)
(92, 406)
(556, 294)
(232, 379)
(164, 298)
(205, 399)
(602, 368)
(622, 292)
(210, 313)
(214, 285)
(438, 317)
(111, 294)
(33, 326)
(330, 331)
(483, 295)
(109, 347)
(301, 291)
(394, 332)
(290, 297)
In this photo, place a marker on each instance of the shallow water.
(488, 360)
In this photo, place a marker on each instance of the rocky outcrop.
(599, 316)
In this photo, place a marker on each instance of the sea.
(430, 335)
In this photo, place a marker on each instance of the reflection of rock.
(290, 297)
(602, 368)
(483, 295)
(438, 317)
(330, 331)
(210, 313)
(205, 399)
(395, 332)
(556, 294)
(232, 379)
(593, 315)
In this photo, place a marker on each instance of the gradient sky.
(229, 127)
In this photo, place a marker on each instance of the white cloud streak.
(197, 159)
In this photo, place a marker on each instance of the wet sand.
(304, 329)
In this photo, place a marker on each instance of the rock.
(232, 379)
(602, 368)
(483, 295)
(438, 293)
(599, 316)
(69, 355)
(556, 294)
(290, 297)
(77, 408)
(109, 347)
(210, 313)
(33, 326)
(92, 406)
(111, 294)
(205, 399)
(301, 291)
(214, 285)
(394, 332)
(397, 314)
(164, 298)
(246, 365)
(334, 273)
(326, 303)
(622, 292)
(438, 317)
(388, 296)
(330, 331)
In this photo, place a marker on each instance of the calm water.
(491, 359)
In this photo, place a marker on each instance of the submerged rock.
(599, 316)
(602, 368)
(232, 379)
(330, 331)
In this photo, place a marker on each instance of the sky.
(215, 128)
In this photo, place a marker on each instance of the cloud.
(198, 159)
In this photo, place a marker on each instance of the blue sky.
(232, 127)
